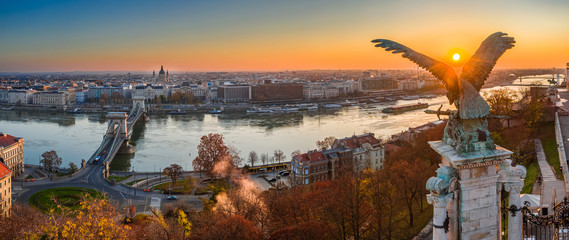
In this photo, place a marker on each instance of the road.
(90, 177)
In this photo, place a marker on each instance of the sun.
(456, 56)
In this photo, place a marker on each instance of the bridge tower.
(138, 101)
(117, 123)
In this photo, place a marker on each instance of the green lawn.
(61, 174)
(119, 178)
(546, 134)
(182, 186)
(135, 181)
(66, 198)
(531, 175)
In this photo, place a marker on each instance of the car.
(284, 173)
(172, 198)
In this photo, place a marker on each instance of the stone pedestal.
(478, 203)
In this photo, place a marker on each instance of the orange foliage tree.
(233, 227)
(211, 150)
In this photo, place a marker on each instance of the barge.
(405, 108)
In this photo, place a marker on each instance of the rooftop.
(4, 171)
(357, 141)
(315, 156)
(7, 140)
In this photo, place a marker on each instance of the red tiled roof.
(316, 157)
(311, 156)
(357, 141)
(7, 140)
(4, 171)
(302, 157)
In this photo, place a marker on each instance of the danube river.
(166, 139)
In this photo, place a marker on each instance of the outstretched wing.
(440, 70)
(481, 63)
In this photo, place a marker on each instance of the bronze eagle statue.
(464, 92)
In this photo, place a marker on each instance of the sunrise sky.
(270, 35)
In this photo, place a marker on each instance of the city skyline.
(65, 36)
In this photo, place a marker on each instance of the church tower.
(161, 75)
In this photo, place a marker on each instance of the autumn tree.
(73, 167)
(279, 156)
(102, 99)
(253, 158)
(346, 209)
(50, 161)
(303, 231)
(233, 227)
(409, 173)
(326, 143)
(189, 97)
(532, 107)
(95, 218)
(23, 222)
(235, 158)
(176, 97)
(243, 200)
(264, 158)
(501, 101)
(211, 150)
(295, 153)
(173, 171)
(288, 207)
(382, 197)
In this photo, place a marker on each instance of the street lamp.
(189, 155)
(134, 174)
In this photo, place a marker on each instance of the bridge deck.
(110, 146)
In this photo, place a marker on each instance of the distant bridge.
(118, 133)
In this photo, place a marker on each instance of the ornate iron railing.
(554, 226)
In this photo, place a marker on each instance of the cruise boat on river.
(405, 108)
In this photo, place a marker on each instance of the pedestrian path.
(551, 185)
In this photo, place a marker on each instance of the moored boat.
(404, 108)
(332, 106)
(178, 112)
(76, 110)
